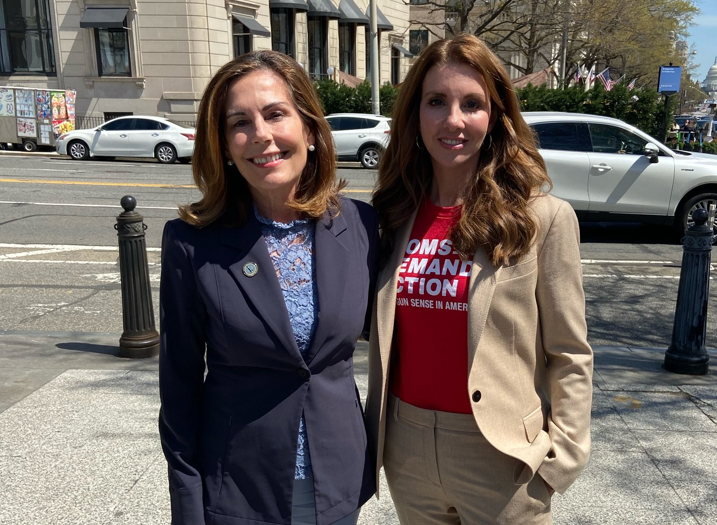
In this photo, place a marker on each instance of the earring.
(230, 163)
(419, 142)
(490, 142)
(312, 147)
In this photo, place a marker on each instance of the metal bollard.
(687, 353)
(139, 338)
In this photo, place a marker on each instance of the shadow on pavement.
(90, 348)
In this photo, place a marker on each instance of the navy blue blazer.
(230, 438)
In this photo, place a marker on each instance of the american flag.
(591, 76)
(605, 79)
(578, 75)
(632, 84)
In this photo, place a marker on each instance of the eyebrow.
(239, 112)
(439, 94)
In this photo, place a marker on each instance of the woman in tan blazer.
(480, 382)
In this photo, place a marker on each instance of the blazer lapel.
(330, 259)
(386, 295)
(480, 294)
(261, 289)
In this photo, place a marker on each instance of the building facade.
(154, 57)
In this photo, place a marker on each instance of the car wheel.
(78, 150)
(701, 201)
(370, 157)
(165, 153)
(29, 146)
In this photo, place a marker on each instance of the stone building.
(154, 57)
(710, 83)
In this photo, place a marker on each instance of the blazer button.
(476, 396)
(303, 374)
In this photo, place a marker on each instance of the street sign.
(668, 82)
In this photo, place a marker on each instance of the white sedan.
(131, 136)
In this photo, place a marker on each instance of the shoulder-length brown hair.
(225, 193)
(510, 171)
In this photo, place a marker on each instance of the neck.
(273, 205)
(448, 190)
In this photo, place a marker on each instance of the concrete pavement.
(79, 442)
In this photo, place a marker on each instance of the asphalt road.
(58, 255)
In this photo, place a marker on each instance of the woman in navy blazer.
(265, 286)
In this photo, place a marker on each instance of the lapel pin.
(250, 269)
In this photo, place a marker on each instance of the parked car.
(611, 171)
(131, 136)
(359, 136)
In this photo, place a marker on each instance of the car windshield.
(182, 124)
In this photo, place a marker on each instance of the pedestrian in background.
(480, 384)
(268, 278)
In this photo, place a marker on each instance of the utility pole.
(375, 103)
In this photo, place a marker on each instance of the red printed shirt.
(432, 316)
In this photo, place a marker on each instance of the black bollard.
(687, 353)
(139, 338)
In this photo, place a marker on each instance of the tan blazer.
(528, 354)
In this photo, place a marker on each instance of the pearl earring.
(230, 163)
(312, 147)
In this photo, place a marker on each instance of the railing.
(90, 122)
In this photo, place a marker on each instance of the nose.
(454, 119)
(262, 133)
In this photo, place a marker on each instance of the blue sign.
(669, 80)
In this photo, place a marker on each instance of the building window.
(395, 66)
(282, 31)
(242, 38)
(26, 37)
(418, 40)
(318, 61)
(347, 45)
(112, 47)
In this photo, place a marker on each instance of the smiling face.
(455, 116)
(265, 136)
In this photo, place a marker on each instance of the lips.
(269, 160)
(452, 143)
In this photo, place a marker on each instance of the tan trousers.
(442, 471)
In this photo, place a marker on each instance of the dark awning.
(323, 8)
(383, 23)
(104, 18)
(254, 27)
(351, 14)
(405, 52)
(299, 5)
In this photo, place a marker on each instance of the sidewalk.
(79, 442)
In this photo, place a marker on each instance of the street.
(58, 250)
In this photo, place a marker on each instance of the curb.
(12, 153)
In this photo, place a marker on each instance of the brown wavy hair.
(510, 172)
(225, 193)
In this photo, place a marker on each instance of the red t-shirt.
(432, 316)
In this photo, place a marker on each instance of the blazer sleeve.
(561, 306)
(374, 252)
(181, 377)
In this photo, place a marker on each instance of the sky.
(702, 37)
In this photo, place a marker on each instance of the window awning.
(405, 52)
(104, 18)
(323, 8)
(351, 14)
(299, 5)
(254, 27)
(383, 23)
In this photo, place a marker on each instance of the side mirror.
(652, 152)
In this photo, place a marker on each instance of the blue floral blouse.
(291, 248)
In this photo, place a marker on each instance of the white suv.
(360, 136)
(611, 171)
